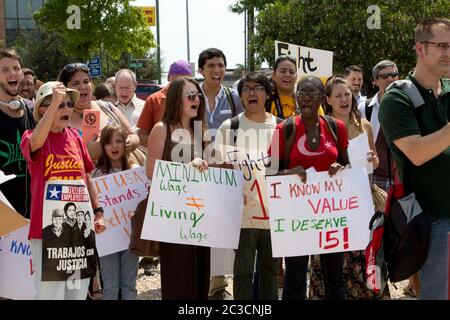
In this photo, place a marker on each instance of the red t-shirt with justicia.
(301, 155)
(63, 156)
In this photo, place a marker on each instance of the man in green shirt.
(419, 139)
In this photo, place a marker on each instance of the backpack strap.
(289, 137)
(331, 123)
(234, 126)
(368, 109)
(408, 87)
(230, 101)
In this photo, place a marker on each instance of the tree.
(110, 27)
(344, 27)
(42, 53)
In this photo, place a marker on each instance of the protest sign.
(119, 194)
(16, 266)
(252, 163)
(10, 220)
(310, 61)
(91, 125)
(68, 238)
(325, 214)
(191, 207)
(357, 152)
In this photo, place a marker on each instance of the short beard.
(9, 92)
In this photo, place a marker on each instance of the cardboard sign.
(16, 266)
(189, 207)
(68, 237)
(10, 220)
(323, 215)
(357, 152)
(119, 195)
(310, 61)
(91, 125)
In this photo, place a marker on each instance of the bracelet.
(99, 209)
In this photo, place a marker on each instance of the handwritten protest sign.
(68, 238)
(252, 163)
(357, 152)
(119, 195)
(189, 207)
(310, 61)
(322, 215)
(16, 268)
(91, 124)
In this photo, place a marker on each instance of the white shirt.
(132, 110)
(375, 104)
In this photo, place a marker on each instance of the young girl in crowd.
(53, 140)
(118, 270)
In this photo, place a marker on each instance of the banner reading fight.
(310, 61)
(325, 214)
(191, 207)
(119, 194)
(68, 237)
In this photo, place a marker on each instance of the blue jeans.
(434, 272)
(119, 271)
(295, 276)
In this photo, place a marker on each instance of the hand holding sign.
(99, 223)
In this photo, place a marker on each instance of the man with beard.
(28, 84)
(15, 118)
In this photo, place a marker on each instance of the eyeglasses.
(441, 45)
(311, 94)
(69, 105)
(254, 90)
(76, 66)
(194, 95)
(387, 75)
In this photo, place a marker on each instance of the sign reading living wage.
(68, 237)
(310, 61)
(325, 214)
(119, 194)
(191, 207)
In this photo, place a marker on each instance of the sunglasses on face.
(387, 75)
(194, 95)
(69, 105)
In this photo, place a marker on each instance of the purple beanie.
(180, 67)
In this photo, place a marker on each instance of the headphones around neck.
(14, 104)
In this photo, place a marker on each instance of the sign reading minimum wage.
(189, 207)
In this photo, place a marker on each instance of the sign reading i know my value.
(324, 215)
(191, 207)
(95, 67)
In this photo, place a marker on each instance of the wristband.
(97, 210)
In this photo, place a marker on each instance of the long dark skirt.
(185, 271)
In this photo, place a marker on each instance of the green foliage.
(111, 26)
(42, 53)
(341, 26)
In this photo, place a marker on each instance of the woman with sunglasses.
(341, 104)
(76, 76)
(185, 269)
(54, 151)
(313, 146)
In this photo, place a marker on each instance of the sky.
(211, 24)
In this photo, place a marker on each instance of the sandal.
(96, 295)
(408, 291)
